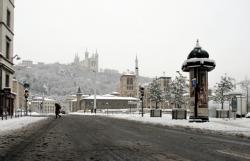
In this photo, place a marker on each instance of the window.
(7, 80)
(8, 18)
(7, 49)
(165, 83)
(129, 83)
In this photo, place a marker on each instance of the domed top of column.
(198, 52)
(198, 58)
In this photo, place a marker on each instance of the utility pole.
(95, 92)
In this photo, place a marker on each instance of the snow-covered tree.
(178, 88)
(222, 88)
(167, 94)
(245, 84)
(155, 93)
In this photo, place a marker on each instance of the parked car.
(248, 115)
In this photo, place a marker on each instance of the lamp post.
(15, 56)
(94, 91)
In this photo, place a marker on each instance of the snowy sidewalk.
(240, 126)
(7, 126)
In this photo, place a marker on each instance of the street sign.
(194, 82)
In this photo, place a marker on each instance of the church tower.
(78, 99)
(77, 59)
(96, 60)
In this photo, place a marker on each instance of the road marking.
(235, 154)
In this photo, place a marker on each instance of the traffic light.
(141, 92)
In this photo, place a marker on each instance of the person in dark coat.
(57, 109)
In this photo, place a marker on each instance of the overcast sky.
(161, 32)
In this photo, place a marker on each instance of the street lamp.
(15, 56)
(94, 91)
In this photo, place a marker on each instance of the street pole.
(241, 106)
(142, 107)
(196, 94)
(95, 92)
(247, 99)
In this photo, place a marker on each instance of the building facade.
(6, 56)
(108, 102)
(42, 105)
(90, 62)
(18, 89)
(26, 63)
(128, 85)
(164, 84)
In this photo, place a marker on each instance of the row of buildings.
(126, 97)
(6, 56)
(12, 92)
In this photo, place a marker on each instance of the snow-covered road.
(239, 126)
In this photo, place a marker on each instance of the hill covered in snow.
(63, 79)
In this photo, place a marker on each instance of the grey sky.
(161, 32)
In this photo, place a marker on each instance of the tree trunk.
(156, 105)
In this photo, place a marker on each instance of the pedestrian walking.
(57, 109)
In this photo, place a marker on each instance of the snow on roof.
(202, 60)
(115, 93)
(41, 99)
(128, 73)
(235, 93)
(111, 97)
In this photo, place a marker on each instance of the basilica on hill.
(90, 62)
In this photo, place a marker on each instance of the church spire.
(136, 66)
(197, 44)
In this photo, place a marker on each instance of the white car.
(248, 115)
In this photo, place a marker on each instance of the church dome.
(198, 58)
(198, 52)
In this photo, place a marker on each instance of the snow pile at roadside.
(240, 126)
(9, 125)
